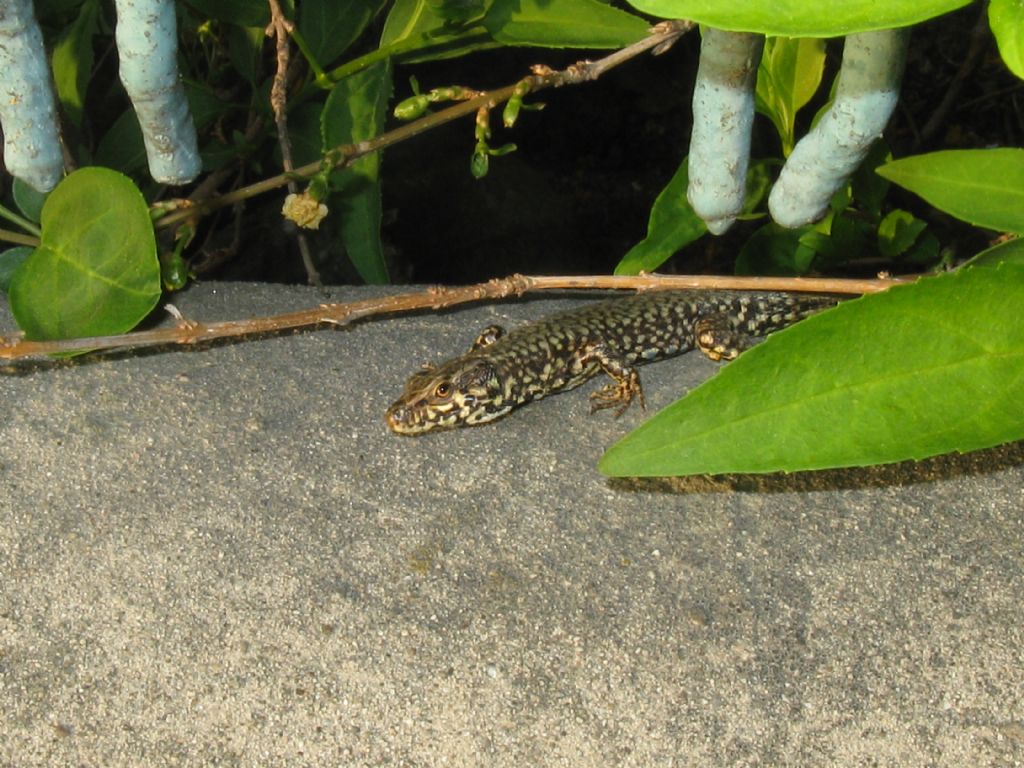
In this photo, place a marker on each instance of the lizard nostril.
(396, 415)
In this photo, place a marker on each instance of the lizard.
(503, 370)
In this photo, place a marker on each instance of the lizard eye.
(443, 389)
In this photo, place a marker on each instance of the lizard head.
(458, 393)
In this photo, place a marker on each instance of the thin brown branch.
(192, 332)
(661, 37)
(280, 29)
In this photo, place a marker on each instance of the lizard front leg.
(487, 336)
(625, 387)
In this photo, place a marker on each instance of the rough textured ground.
(221, 557)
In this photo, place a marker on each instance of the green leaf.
(72, 60)
(916, 371)
(898, 231)
(982, 186)
(460, 11)
(30, 200)
(672, 225)
(245, 47)
(1006, 17)
(789, 75)
(305, 133)
(563, 24)
(10, 260)
(331, 26)
(926, 250)
(759, 184)
(355, 111)
(121, 147)
(869, 189)
(1011, 252)
(420, 30)
(798, 18)
(775, 250)
(95, 271)
(409, 19)
(206, 104)
(849, 238)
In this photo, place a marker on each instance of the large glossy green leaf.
(672, 225)
(95, 271)
(355, 111)
(799, 18)
(563, 24)
(916, 371)
(982, 186)
(1006, 17)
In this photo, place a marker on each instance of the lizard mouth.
(406, 420)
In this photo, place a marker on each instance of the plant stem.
(661, 38)
(21, 221)
(190, 332)
(17, 238)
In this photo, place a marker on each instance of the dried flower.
(304, 210)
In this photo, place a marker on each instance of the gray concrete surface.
(221, 557)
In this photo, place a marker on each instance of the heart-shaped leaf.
(95, 271)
